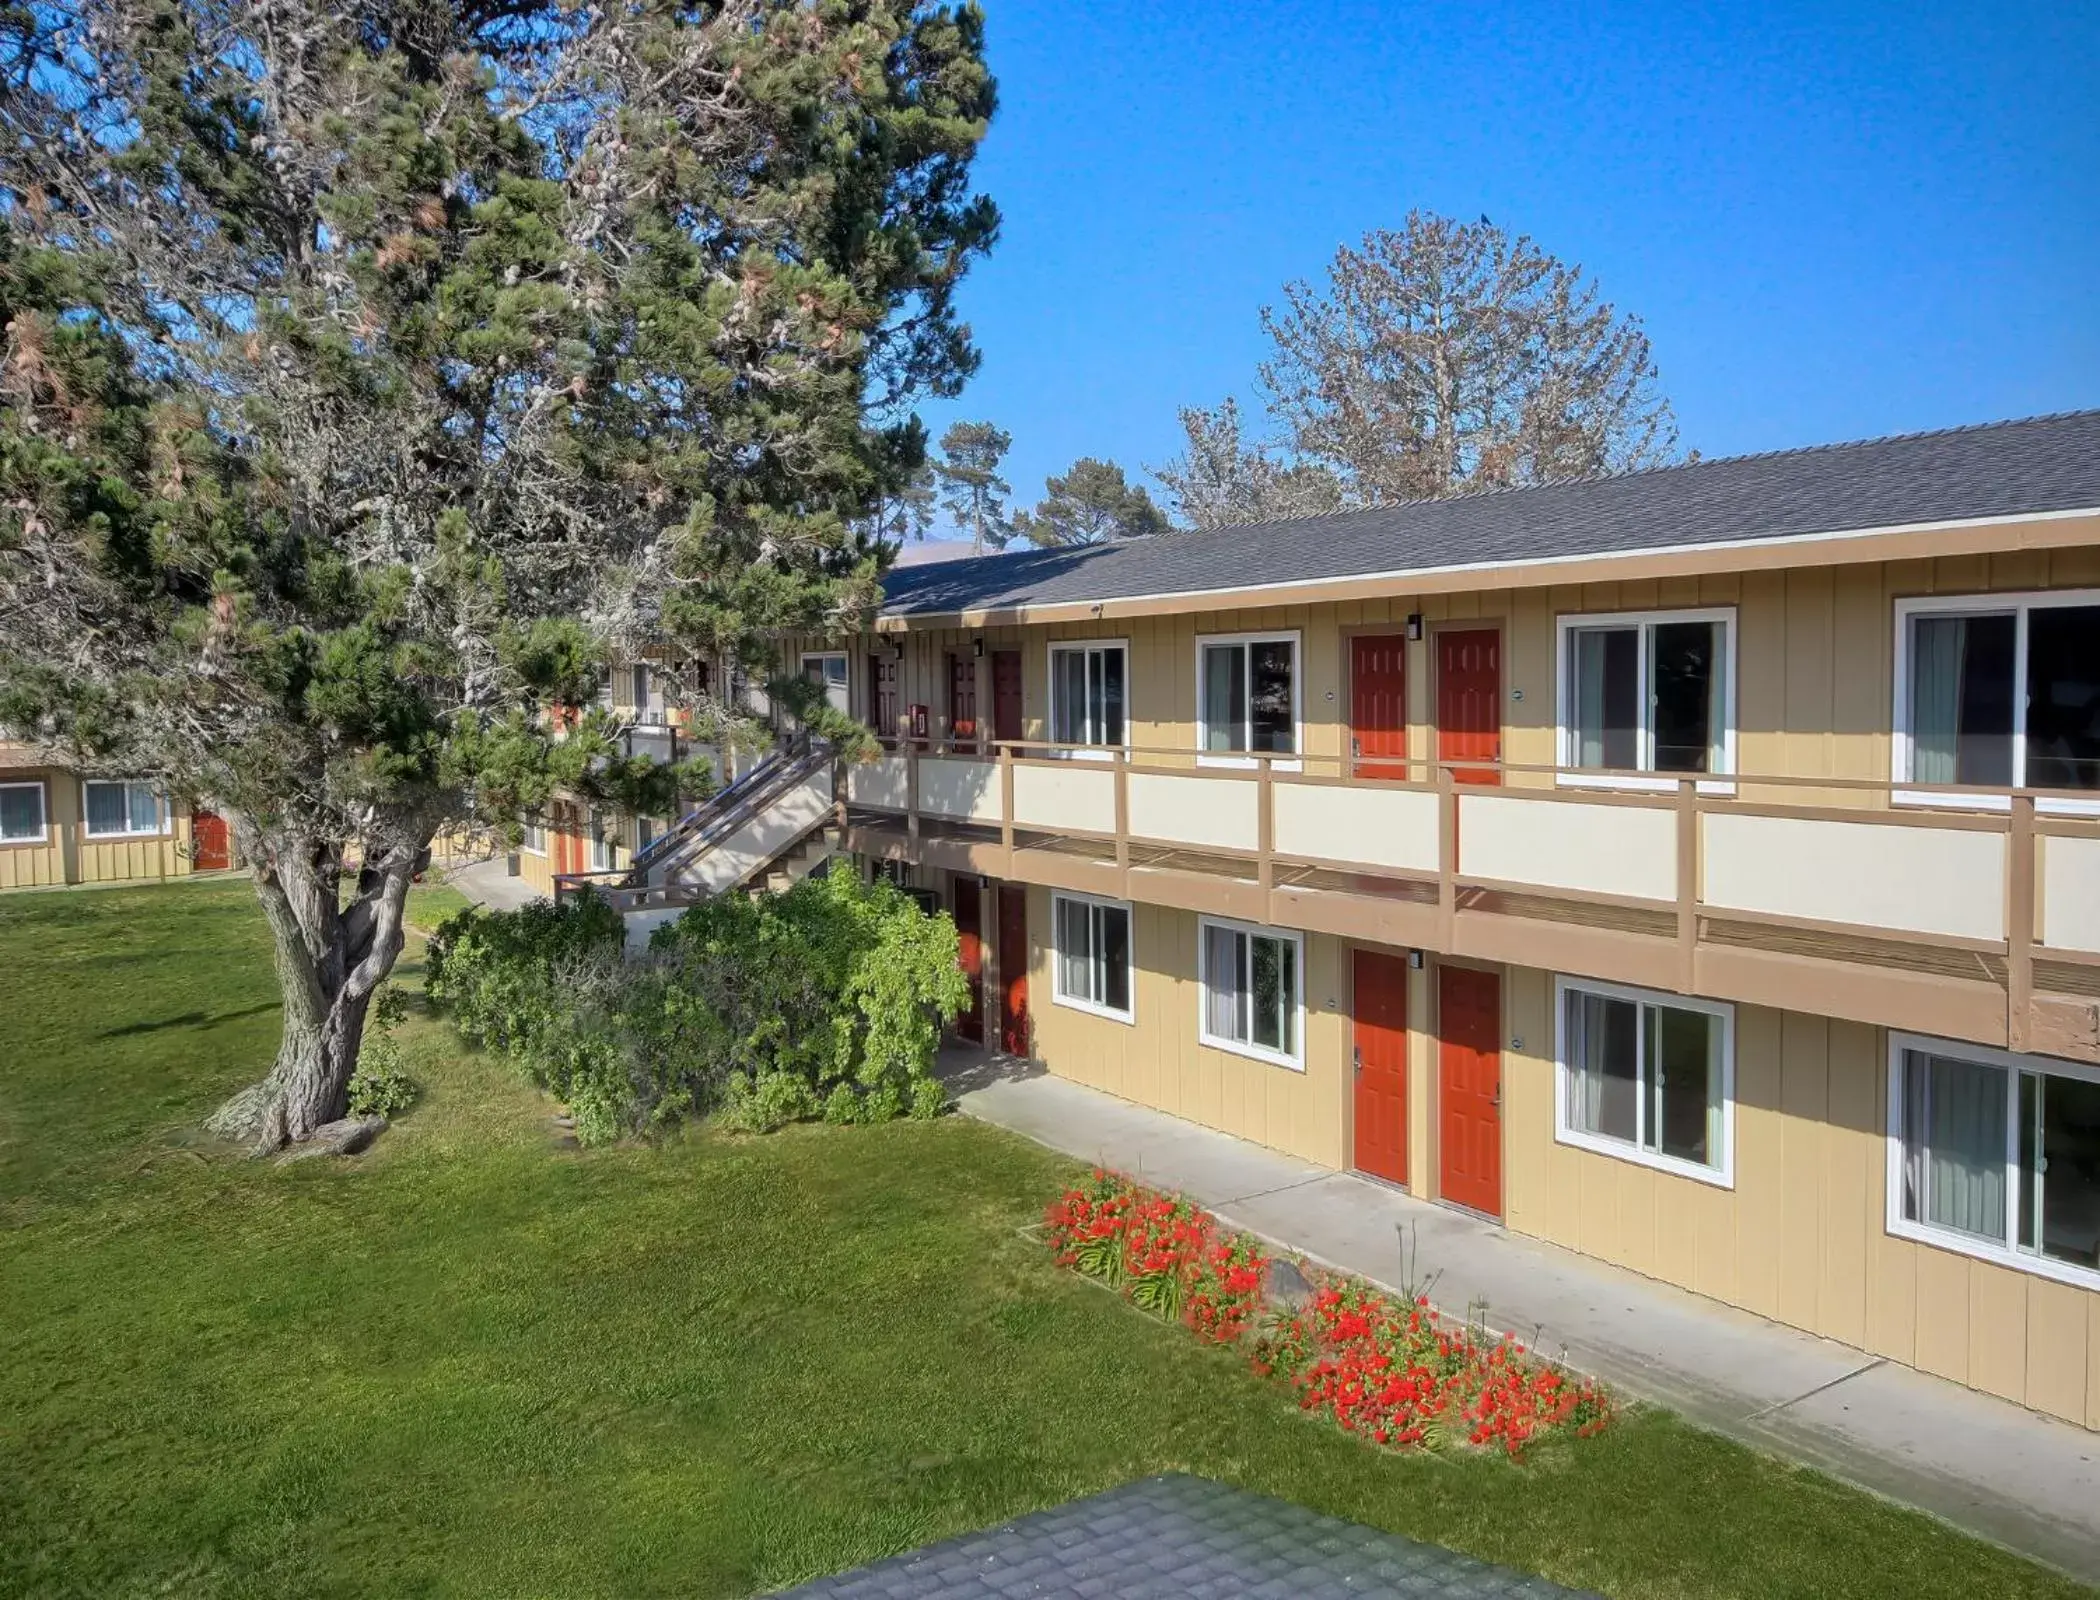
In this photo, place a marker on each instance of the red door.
(1469, 1087)
(962, 698)
(1013, 969)
(1378, 704)
(969, 935)
(883, 705)
(210, 850)
(1006, 694)
(1469, 700)
(1381, 1065)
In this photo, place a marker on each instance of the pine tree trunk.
(330, 959)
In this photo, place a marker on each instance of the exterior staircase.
(770, 828)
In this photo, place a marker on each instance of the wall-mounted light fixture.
(977, 648)
(1414, 960)
(1414, 624)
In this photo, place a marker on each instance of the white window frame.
(43, 813)
(600, 846)
(1254, 1052)
(533, 825)
(1294, 762)
(845, 659)
(2004, 1255)
(161, 810)
(1901, 751)
(1570, 775)
(1092, 752)
(1722, 1174)
(1058, 995)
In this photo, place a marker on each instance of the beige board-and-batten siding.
(1815, 659)
(1158, 1060)
(68, 855)
(1802, 1236)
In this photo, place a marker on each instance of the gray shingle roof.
(2018, 468)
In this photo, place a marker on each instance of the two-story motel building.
(1699, 869)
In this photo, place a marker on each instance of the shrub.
(1392, 1371)
(381, 1086)
(826, 999)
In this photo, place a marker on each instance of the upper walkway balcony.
(1969, 913)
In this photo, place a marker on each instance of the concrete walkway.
(2007, 1474)
(487, 883)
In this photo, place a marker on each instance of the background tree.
(1220, 481)
(373, 373)
(1090, 503)
(905, 512)
(972, 492)
(1449, 356)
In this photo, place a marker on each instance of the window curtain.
(1935, 697)
(21, 811)
(144, 806)
(1955, 1157)
(1588, 649)
(1604, 1065)
(1224, 983)
(106, 811)
(1076, 945)
(1224, 697)
(1070, 726)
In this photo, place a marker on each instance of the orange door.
(1013, 969)
(969, 936)
(1006, 694)
(211, 850)
(962, 698)
(1469, 700)
(1469, 1087)
(1381, 1065)
(1378, 704)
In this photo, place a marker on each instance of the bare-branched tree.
(1220, 481)
(1447, 356)
(376, 369)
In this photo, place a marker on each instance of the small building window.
(1252, 991)
(534, 841)
(1248, 695)
(1996, 1155)
(1999, 692)
(828, 671)
(601, 842)
(117, 810)
(1093, 955)
(22, 813)
(1648, 693)
(1646, 1077)
(1087, 695)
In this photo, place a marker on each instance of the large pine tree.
(374, 369)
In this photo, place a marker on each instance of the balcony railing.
(1996, 887)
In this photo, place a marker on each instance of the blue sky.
(1836, 222)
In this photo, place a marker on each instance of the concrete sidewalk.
(2007, 1474)
(489, 883)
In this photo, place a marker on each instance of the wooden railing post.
(911, 795)
(1687, 885)
(2019, 922)
(1122, 810)
(1265, 830)
(1006, 801)
(1446, 857)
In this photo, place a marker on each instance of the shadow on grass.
(190, 1019)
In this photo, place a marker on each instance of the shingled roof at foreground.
(1999, 469)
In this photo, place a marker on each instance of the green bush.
(826, 1000)
(381, 1086)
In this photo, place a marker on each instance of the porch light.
(1414, 624)
(977, 647)
(1414, 960)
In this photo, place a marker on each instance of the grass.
(472, 1363)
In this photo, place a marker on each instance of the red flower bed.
(1393, 1373)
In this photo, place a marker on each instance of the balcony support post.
(1123, 817)
(1446, 857)
(1687, 885)
(1006, 802)
(2019, 923)
(911, 797)
(1265, 832)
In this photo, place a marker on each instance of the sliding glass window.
(2000, 693)
(1248, 695)
(1087, 694)
(1648, 693)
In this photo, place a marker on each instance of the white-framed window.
(1996, 1155)
(828, 669)
(1089, 693)
(1999, 691)
(122, 808)
(601, 842)
(1251, 986)
(1247, 697)
(1646, 1077)
(534, 839)
(1647, 691)
(22, 814)
(1092, 942)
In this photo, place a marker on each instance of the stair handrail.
(660, 846)
(781, 771)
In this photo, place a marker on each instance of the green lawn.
(472, 1363)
